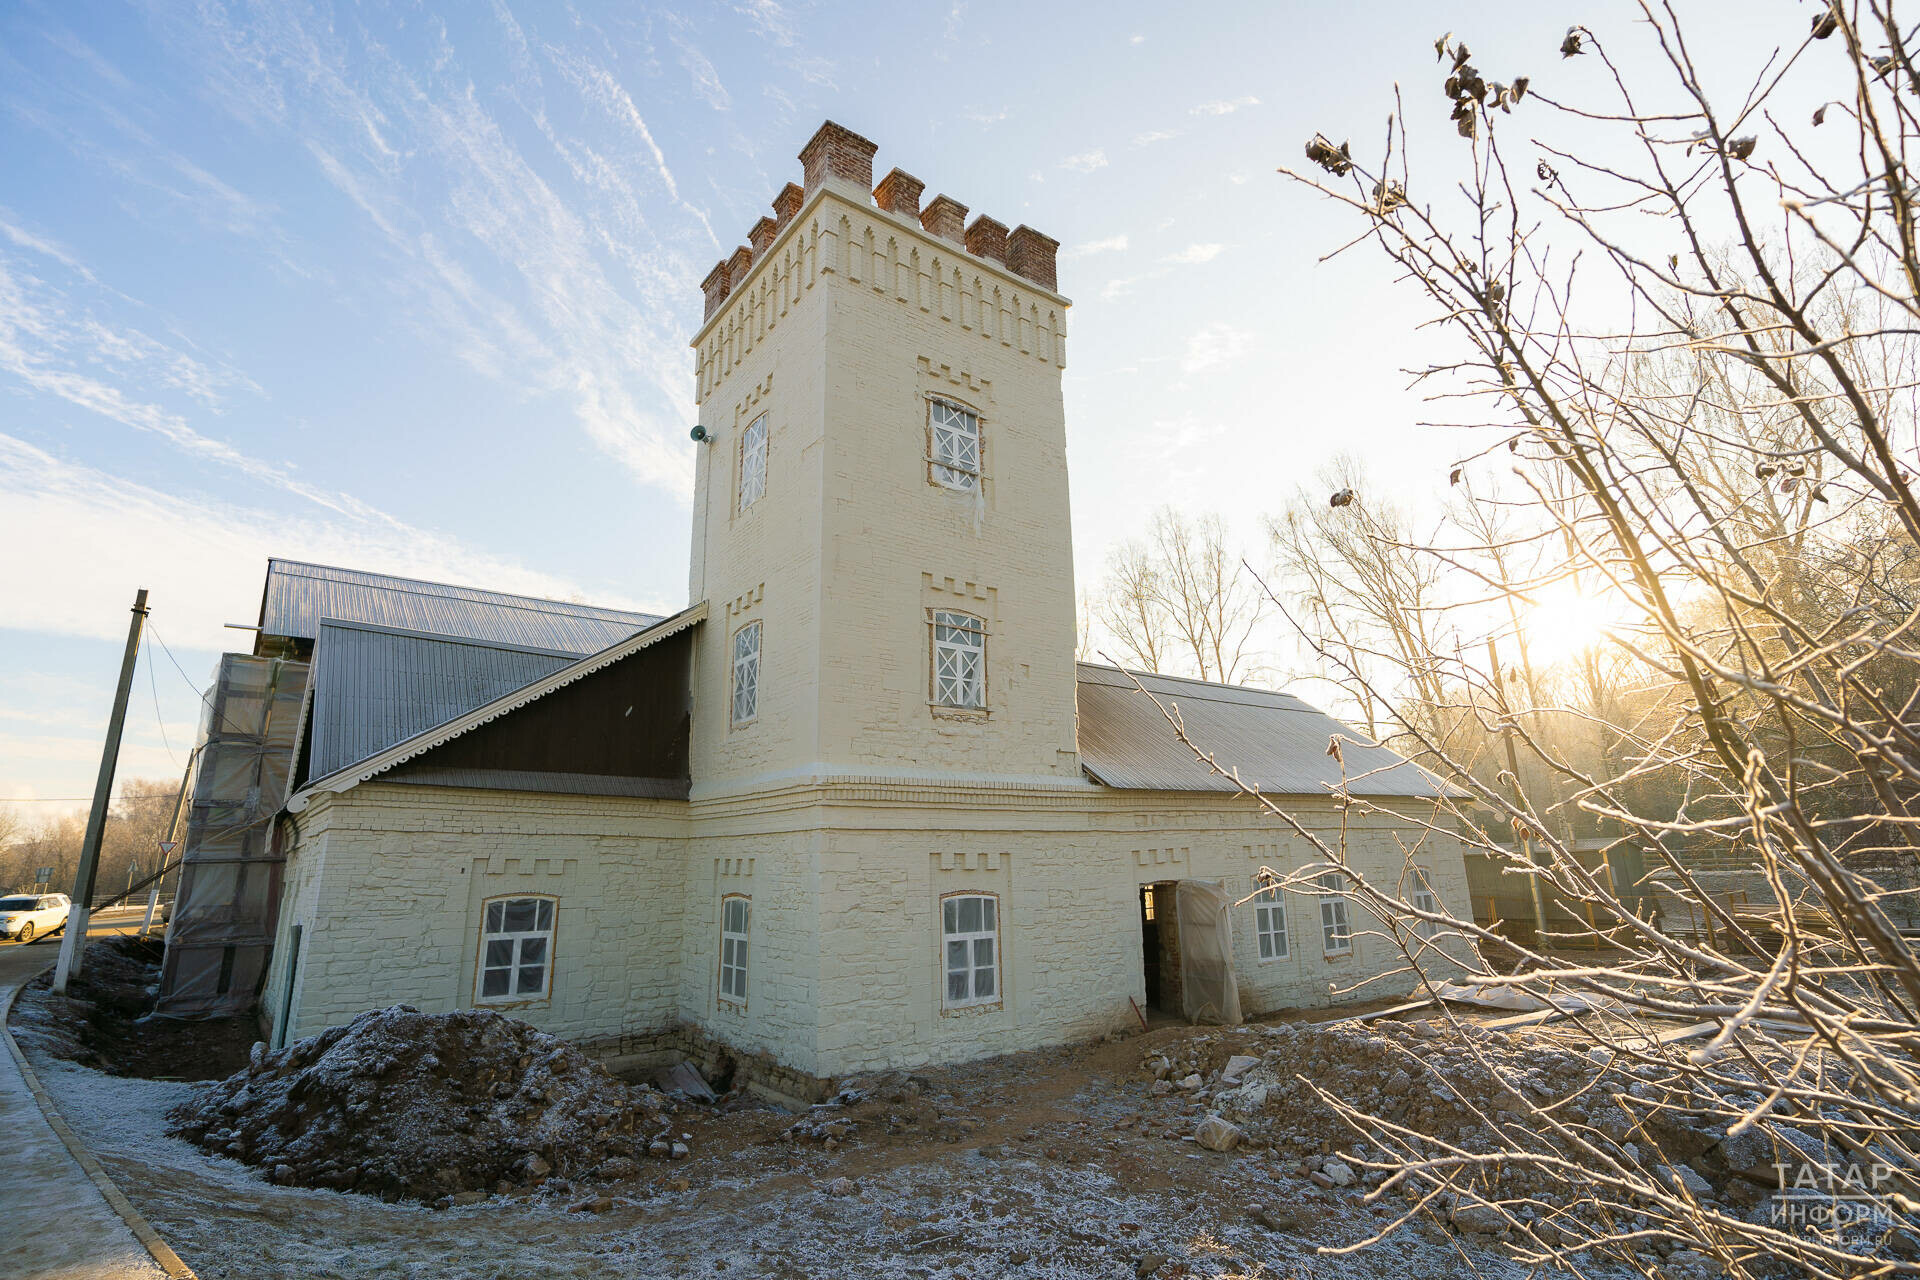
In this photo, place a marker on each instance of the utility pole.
(73, 942)
(1519, 801)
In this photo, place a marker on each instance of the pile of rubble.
(443, 1108)
(1256, 1087)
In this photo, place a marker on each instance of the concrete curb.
(162, 1254)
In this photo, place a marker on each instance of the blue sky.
(410, 290)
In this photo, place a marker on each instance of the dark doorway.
(1160, 946)
(1150, 945)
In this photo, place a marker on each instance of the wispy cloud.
(1086, 161)
(1195, 253)
(706, 80)
(1112, 244)
(987, 117)
(1136, 39)
(1152, 136)
(1225, 106)
(1215, 346)
(201, 559)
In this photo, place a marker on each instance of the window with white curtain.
(970, 933)
(1270, 923)
(1336, 938)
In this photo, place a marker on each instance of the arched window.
(516, 950)
(970, 938)
(753, 462)
(746, 673)
(735, 912)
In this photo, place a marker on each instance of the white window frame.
(518, 942)
(953, 444)
(1336, 932)
(953, 934)
(753, 462)
(746, 674)
(733, 948)
(1270, 936)
(970, 689)
(1423, 898)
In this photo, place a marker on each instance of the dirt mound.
(101, 1023)
(411, 1105)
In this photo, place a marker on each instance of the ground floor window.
(1424, 900)
(1270, 923)
(1336, 938)
(516, 949)
(734, 911)
(970, 930)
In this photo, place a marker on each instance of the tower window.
(1424, 899)
(954, 440)
(970, 934)
(734, 910)
(753, 462)
(959, 660)
(746, 673)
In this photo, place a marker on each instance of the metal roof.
(375, 686)
(299, 595)
(400, 751)
(1277, 742)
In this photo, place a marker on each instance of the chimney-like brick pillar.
(716, 286)
(761, 237)
(788, 203)
(945, 217)
(899, 192)
(1031, 254)
(837, 153)
(988, 239)
(737, 267)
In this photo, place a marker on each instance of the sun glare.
(1565, 622)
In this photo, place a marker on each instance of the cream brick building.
(856, 806)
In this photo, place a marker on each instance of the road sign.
(44, 874)
(167, 847)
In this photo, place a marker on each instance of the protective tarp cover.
(229, 894)
(1209, 993)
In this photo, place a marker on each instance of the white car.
(25, 917)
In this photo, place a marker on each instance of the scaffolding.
(221, 934)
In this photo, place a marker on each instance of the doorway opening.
(1160, 947)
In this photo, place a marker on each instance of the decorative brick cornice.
(987, 238)
(899, 192)
(836, 151)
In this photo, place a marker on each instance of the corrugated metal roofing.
(299, 595)
(376, 686)
(1277, 742)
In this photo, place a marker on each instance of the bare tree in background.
(1182, 602)
(1687, 336)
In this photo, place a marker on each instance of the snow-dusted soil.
(1031, 1166)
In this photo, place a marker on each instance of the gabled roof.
(375, 686)
(299, 595)
(1277, 742)
(354, 774)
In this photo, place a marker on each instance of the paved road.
(59, 1225)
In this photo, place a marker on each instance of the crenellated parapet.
(997, 284)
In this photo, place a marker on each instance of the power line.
(201, 693)
(154, 686)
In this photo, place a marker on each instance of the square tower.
(880, 513)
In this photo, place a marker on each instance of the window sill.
(943, 712)
(730, 1005)
(1332, 957)
(976, 1007)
